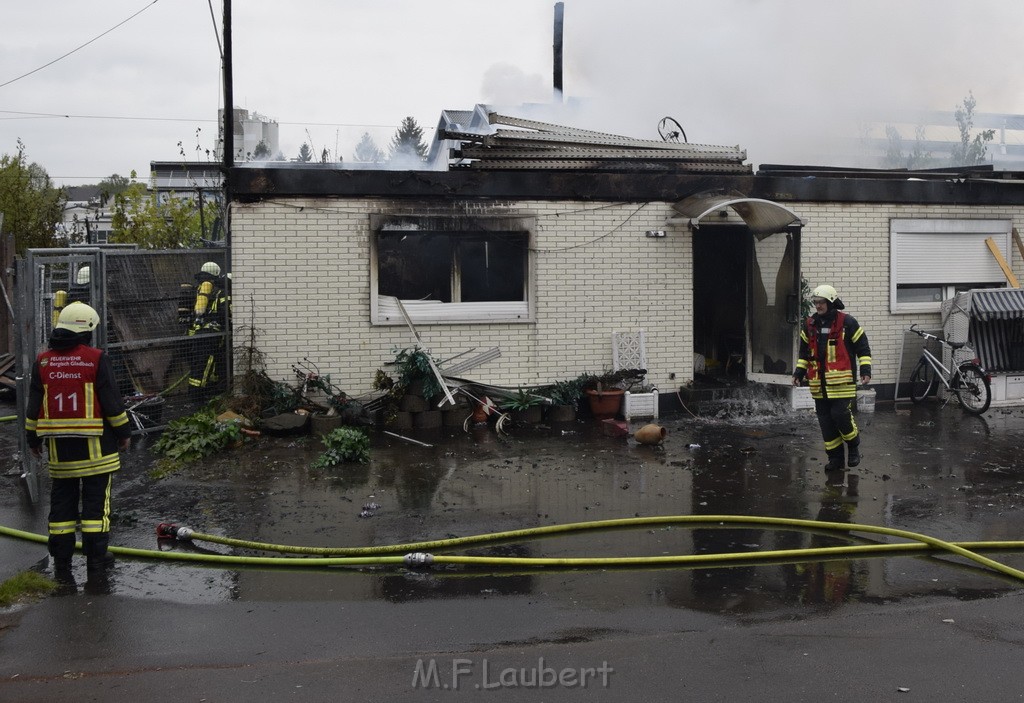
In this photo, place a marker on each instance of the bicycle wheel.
(921, 381)
(972, 388)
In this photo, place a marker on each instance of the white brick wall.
(847, 246)
(302, 279)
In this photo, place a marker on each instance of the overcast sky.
(781, 78)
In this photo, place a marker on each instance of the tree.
(367, 151)
(31, 204)
(305, 153)
(971, 151)
(110, 187)
(261, 152)
(894, 156)
(140, 217)
(407, 144)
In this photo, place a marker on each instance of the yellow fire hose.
(413, 554)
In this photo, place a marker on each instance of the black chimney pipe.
(559, 16)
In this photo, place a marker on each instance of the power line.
(50, 115)
(79, 47)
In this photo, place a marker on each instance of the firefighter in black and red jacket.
(834, 351)
(75, 408)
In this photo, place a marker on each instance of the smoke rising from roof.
(790, 81)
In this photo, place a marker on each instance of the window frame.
(966, 229)
(383, 310)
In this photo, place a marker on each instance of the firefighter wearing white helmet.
(834, 352)
(209, 317)
(75, 409)
(80, 291)
(78, 317)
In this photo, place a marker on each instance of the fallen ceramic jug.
(650, 434)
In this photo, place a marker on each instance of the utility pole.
(229, 124)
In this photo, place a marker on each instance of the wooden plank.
(992, 247)
(1020, 244)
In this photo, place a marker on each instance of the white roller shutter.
(947, 251)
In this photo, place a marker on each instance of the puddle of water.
(955, 479)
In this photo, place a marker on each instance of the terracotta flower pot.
(606, 403)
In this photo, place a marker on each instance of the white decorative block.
(801, 398)
(640, 405)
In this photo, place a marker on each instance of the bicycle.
(968, 381)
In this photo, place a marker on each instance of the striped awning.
(1001, 304)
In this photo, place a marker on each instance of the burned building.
(544, 240)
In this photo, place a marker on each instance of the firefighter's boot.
(97, 558)
(835, 460)
(61, 548)
(853, 455)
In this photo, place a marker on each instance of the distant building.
(199, 181)
(85, 222)
(249, 130)
(186, 179)
(934, 135)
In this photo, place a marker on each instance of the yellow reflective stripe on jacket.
(118, 420)
(86, 467)
(86, 427)
(97, 463)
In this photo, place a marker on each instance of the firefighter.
(74, 407)
(79, 292)
(834, 351)
(208, 319)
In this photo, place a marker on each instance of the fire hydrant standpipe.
(415, 553)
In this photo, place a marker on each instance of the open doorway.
(720, 275)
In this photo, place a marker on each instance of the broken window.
(444, 275)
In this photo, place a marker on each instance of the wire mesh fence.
(163, 321)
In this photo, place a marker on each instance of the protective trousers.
(93, 494)
(835, 417)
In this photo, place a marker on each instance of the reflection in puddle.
(938, 480)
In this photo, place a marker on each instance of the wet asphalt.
(901, 628)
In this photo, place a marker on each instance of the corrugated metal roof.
(522, 144)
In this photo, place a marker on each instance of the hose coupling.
(168, 530)
(418, 559)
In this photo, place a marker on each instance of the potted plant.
(525, 407)
(605, 391)
(565, 396)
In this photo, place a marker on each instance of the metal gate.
(137, 294)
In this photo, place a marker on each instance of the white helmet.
(211, 268)
(827, 292)
(78, 317)
(83, 276)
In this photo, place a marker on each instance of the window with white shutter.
(932, 258)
